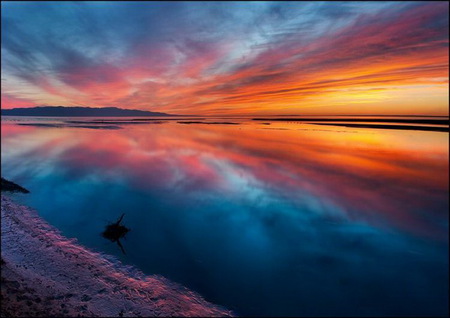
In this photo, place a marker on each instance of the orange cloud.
(376, 64)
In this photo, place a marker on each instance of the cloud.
(202, 57)
(9, 101)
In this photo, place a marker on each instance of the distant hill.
(61, 111)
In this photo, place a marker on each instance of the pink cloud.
(9, 101)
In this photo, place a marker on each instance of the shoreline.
(47, 274)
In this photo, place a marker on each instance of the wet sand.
(434, 121)
(46, 274)
(433, 124)
(208, 123)
(380, 126)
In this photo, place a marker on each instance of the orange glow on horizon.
(381, 64)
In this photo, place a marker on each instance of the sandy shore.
(46, 274)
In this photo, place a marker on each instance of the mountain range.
(78, 111)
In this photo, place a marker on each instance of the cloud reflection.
(365, 177)
(267, 222)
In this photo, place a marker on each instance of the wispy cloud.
(238, 57)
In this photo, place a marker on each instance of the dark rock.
(12, 187)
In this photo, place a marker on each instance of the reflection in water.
(286, 221)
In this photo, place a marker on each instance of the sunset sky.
(228, 58)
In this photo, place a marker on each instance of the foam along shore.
(46, 274)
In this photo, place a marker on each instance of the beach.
(47, 274)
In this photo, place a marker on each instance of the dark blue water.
(267, 220)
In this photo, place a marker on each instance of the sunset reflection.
(359, 175)
(318, 211)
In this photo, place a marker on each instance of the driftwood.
(115, 231)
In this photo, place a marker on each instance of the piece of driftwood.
(115, 231)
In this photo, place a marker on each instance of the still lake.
(264, 218)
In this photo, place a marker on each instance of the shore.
(46, 274)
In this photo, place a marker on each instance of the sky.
(228, 58)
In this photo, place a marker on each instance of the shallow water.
(264, 218)
(75, 281)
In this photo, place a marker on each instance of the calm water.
(280, 219)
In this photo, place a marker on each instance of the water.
(264, 218)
